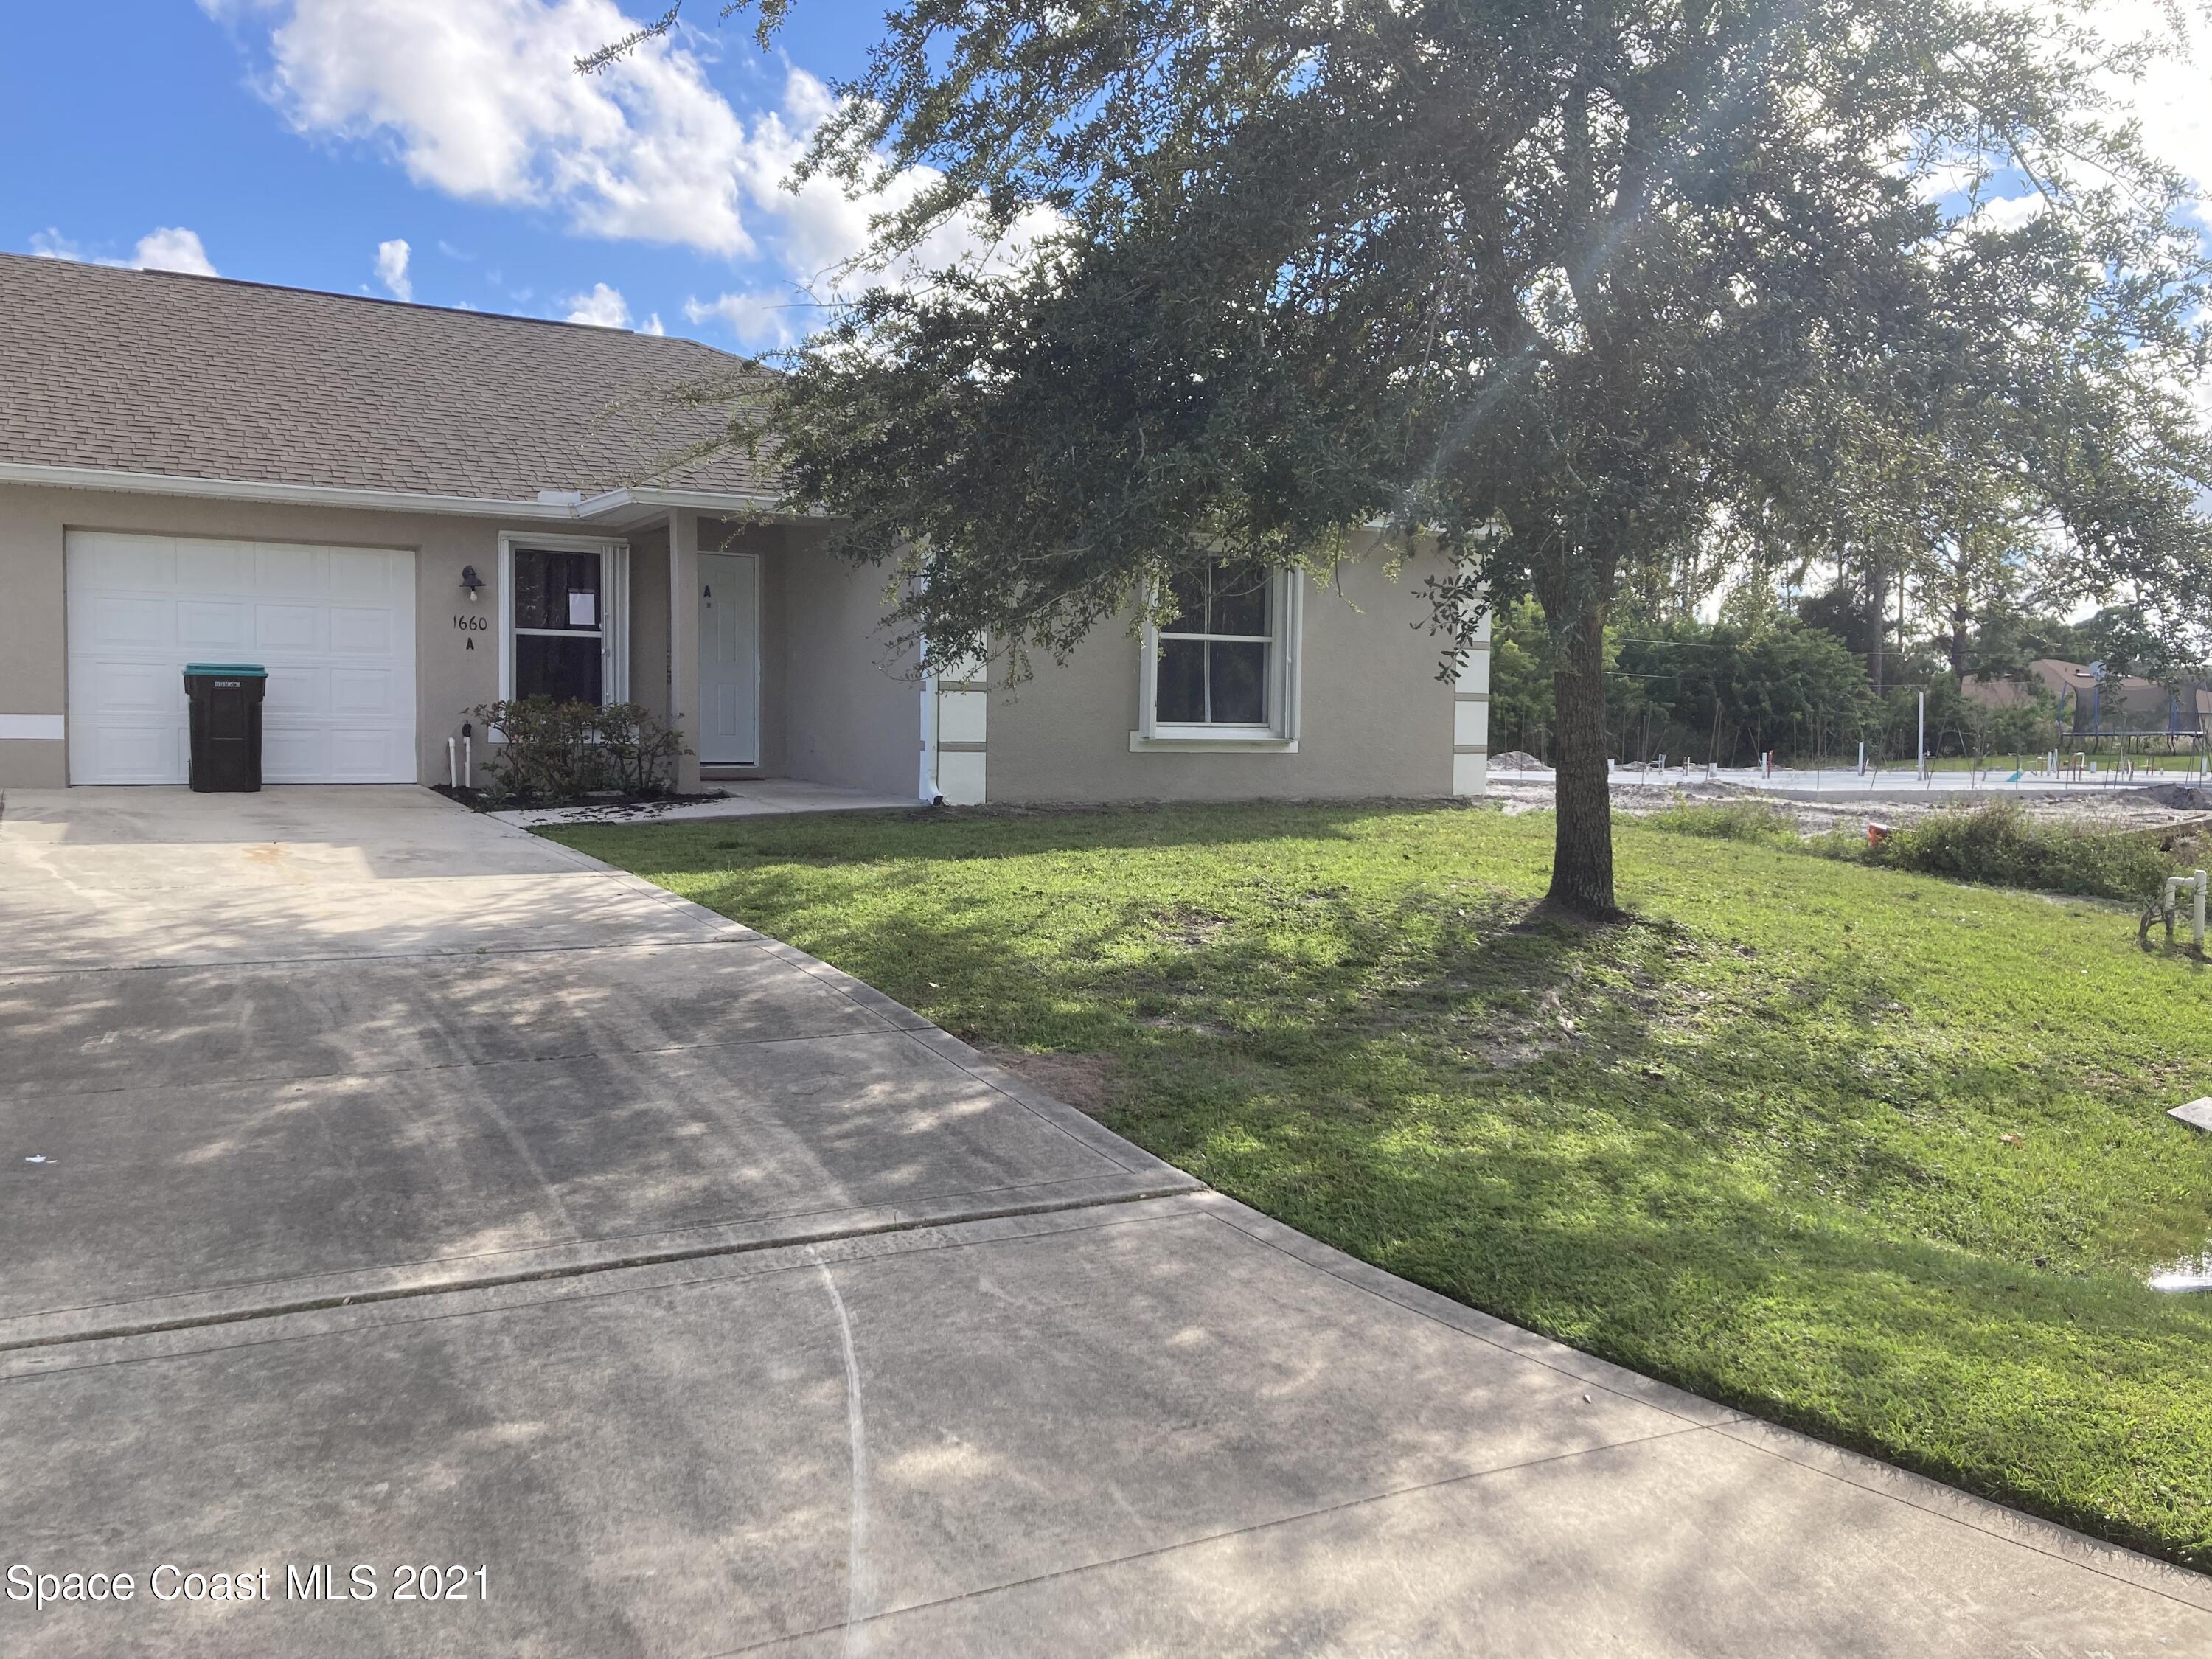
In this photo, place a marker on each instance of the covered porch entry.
(769, 653)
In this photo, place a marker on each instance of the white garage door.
(335, 627)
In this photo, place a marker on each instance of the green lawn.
(1866, 1153)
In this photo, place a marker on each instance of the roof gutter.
(630, 498)
(550, 505)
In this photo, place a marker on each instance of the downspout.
(929, 795)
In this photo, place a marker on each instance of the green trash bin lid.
(231, 670)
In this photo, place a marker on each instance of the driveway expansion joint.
(579, 1270)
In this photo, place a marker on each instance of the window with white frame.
(563, 602)
(1223, 667)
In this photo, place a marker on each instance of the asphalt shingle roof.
(198, 377)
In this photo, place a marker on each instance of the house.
(405, 511)
(2008, 692)
(2086, 704)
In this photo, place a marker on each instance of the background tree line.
(1812, 680)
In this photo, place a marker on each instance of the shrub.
(2023, 730)
(557, 752)
(636, 751)
(2001, 845)
(1735, 820)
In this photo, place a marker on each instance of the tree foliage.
(1591, 292)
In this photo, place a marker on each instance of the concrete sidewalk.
(417, 1191)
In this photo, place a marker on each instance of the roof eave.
(614, 509)
(636, 504)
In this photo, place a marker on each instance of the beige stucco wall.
(449, 678)
(831, 709)
(34, 659)
(837, 706)
(1375, 720)
(648, 626)
(848, 708)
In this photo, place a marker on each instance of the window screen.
(560, 612)
(1215, 652)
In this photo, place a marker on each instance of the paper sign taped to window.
(583, 610)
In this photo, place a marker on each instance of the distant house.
(405, 512)
(2088, 705)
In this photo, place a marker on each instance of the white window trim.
(614, 623)
(1280, 737)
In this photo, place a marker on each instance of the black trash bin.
(226, 707)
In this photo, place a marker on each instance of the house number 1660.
(472, 624)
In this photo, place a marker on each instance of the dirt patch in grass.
(1193, 929)
(1176, 1022)
(1085, 1082)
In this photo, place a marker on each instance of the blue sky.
(444, 150)
(290, 141)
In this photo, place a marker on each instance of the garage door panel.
(295, 755)
(215, 567)
(294, 572)
(125, 561)
(353, 751)
(136, 754)
(358, 578)
(295, 690)
(359, 630)
(117, 620)
(362, 691)
(214, 627)
(334, 626)
(126, 688)
(297, 628)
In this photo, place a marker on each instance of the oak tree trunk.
(1581, 857)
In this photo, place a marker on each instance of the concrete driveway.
(384, 1189)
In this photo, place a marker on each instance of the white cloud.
(602, 307)
(391, 268)
(173, 248)
(167, 247)
(51, 244)
(2012, 212)
(482, 101)
(2170, 99)
(757, 319)
(819, 232)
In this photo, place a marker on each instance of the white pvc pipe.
(453, 766)
(2198, 885)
